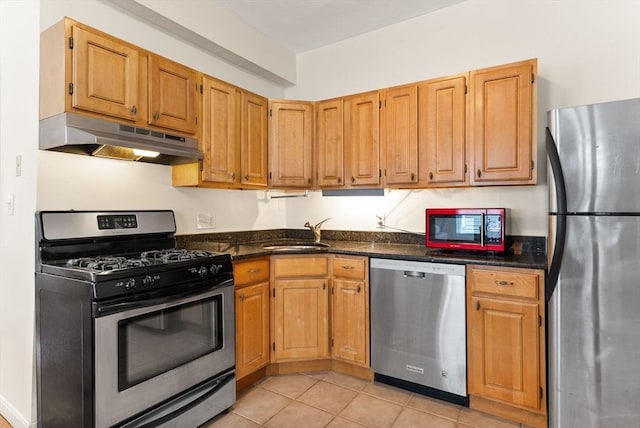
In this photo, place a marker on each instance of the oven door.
(148, 355)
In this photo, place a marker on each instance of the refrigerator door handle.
(561, 219)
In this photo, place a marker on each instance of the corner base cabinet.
(506, 342)
(299, 307)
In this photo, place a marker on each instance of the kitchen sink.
(295, 245)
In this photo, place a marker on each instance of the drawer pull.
(477, 306)
(504, 283)
(254, 270)
(347, 267)
(358, 289)
(242, 297)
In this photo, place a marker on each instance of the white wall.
(588, 51)
(19, 41)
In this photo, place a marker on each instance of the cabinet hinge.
(70, 88)
(201, 162)
(273, 346)
(533, 77)
(379, 173)
(332, 343)
(332, 292)
(540, 320)
(541, 393)
(70, 42)
(270, 175)
(273, 292)
(465, 168)
(379, 104)
(201, 89)
(533, 165)
(270, 112)
(466, 89)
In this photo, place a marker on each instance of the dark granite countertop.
(527, 252)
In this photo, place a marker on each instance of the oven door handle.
(102, 309)
(157, 417)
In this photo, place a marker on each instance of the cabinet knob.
(430, 175)
(479, 173)
(339, 180)
(353, 180)
(413, 177)
(233, 175)
(242, 297)
(246, 177)
(134, 110)
(358, 289)
(156, 116)
(477, 306)
(324, 285)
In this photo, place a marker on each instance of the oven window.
(154, 343)
(455, 228)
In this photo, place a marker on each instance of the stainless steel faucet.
(316, 229)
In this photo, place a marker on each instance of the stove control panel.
(117, 221)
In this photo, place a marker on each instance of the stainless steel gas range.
(131, 331)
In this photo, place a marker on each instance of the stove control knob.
(130, 284)
(215, 269)
(202, 271)
(147, 281)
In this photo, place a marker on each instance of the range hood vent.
(74, 133)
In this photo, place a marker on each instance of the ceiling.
(302, 25)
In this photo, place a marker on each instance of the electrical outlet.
(381, 221)
(18, 165)
(206, 221)
(11, 201)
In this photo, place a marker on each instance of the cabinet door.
(253, 140)
(172, 95)
(104, 75)
(442, 130)
(362, 143)
(400, 136)
(349, 321)
(291, 144)
(300, 318)
(330, 144)
(252, 328)
(219, 132)
(503, 351)
(502, 109)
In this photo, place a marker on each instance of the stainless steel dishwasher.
(418, 327)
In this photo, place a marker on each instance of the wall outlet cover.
(206, 221)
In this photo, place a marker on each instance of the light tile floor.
(333, 400)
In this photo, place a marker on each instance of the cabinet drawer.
(294, 266)
(349, 267)
(510, 283)
(251, 271)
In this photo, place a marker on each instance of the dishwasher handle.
(413, 274)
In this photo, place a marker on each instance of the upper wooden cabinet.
(172, 95)
(399, 134)
(290, 144)
(104, 75)
(442, 126)
(330, 143)
(233, 138)
(362, 139)
(219, 136)
(502, 124)
(253, 140)
(84, 70)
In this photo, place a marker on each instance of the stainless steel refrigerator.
(593, 282)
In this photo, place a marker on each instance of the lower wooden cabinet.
(506, 342)
(252, 315)
(350, 309)
(300, 307)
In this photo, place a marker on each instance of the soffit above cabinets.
(303, 25)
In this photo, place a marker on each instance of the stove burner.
(147, 258)
(105, 263)
(173, 255)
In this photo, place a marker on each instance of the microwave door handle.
(482, 225)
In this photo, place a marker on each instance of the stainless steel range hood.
(74, 133)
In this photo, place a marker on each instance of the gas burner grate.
(106, 263)
(173, 255)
